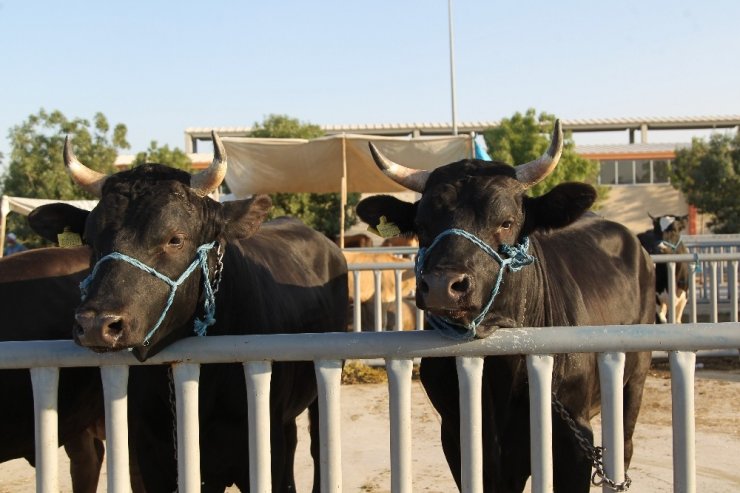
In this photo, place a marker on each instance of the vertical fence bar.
(378, 300)
(399, 390)
(671, 268)
(186, 377)
(115, 392)
(713, 293)
(45, 382)
(732, 290)
(539, 370)
(399, 299)
(329, 379)
(692, 291)
(419, 319)
(470, 380)
(611, 378)
(683, 364)
(258, 375)
(357, 303)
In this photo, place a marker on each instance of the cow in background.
(492, 257)
(196, 266)
(665, 238)
(360, 240)
(387, 288)
(39, 290)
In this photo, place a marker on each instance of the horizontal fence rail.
(399, 349)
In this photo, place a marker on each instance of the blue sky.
(162, 66)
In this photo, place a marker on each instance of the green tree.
(708, 174)
(525, 137)
(174, 158)
(318, 210)
(36, 166)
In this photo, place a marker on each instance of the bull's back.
(293, 278)
(601, 270)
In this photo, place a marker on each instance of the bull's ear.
(395, 211)
(50, 220)
(244, 217)
(560, 206)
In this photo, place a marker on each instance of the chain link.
(173, 409)
(219, 270)
(595, 454)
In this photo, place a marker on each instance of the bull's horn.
(413, 179)
(88, 179)
(535, 171)
(208, 180)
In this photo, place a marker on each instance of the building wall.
(630, 205)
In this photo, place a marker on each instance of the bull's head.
(152, 223)
(488, 202)
(667, 232)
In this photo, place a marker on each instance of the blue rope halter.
(517, 257)
(201, 260)
(671, 245)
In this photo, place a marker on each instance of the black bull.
(280, 276)
(587, 271)
(39, 290)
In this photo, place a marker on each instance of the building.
(635, 172)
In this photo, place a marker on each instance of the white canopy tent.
(337, 163)
(24, 205)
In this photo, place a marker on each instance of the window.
(625, 172)
(606, 173)
(660, 171)
(642, 171)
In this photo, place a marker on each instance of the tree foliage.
(174, 158)
(318, 210)
(36, 167)
(708, 173)
(525, 137)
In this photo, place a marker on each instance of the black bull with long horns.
(171, 261)
(492, 257)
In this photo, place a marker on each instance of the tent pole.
(343, 193)
(4, 210)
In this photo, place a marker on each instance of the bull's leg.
(85, 453)
(571, 466)
(681, 301)
(439, 378)
(313, 423)
(632, 400)
(661, 308)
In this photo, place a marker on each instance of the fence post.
(45, 383)
(470, 380)
(115, 391)
(186, 376)
(683, 365)
(539, 371)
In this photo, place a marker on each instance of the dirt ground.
(365, 439)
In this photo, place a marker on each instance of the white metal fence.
(399, 349)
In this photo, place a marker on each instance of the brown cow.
(387, 288)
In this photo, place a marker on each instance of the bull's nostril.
(116, 327)
(461, 286)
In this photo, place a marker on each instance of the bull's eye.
(177, 241)
(506, 225)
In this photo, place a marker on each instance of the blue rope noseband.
(671, 245)
(201, 260)
(517, 257)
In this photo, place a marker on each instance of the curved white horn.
(88, 179)
(208, 180)
(535, 171)
(413, 179)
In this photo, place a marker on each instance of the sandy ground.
(365, 443)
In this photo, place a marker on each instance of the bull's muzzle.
(99, 330)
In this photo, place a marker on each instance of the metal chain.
(219, 271)
(173, 410)
(595, 454)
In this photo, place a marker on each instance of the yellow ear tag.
(68, 239)
(386, 229)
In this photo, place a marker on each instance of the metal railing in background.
(713, 287)
(398, 349)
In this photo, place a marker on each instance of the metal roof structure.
(641, 124)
